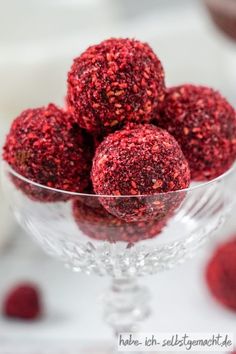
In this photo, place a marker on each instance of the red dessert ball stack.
(104, 140)
(116, 81)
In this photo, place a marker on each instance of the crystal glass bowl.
(223, 14)
(76, 229)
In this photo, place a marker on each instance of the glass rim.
(201, 185)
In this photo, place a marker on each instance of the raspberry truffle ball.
(116, 81)
(95, 222)
(204, 124)
(46, 146)
(221, 274)
(144, 160)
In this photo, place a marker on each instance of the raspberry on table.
(23, 302)
(221, 274)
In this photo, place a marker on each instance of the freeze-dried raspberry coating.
(204, 124)
(221, 274)
(47, 147)
(95, 222)
(145, 160)
(113, 82)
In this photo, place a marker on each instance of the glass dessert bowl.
(223, 14)
(76, 229)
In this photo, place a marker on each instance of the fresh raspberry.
(23, 302)
(221, 274)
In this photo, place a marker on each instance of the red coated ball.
(95, 222)
(116, 81)
(204, 124)
(143, 161)
(23, 302)
(46, 146)
(221, 274)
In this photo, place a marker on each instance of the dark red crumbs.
(23, 302)
(204, 124)
(221, 274)
(145, 160)
(116, 81)
(46, 146)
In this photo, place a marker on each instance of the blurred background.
(38, 40)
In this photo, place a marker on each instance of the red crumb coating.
(23, 302)
(144, 160)
(204, 124)
(95, 222)
(116, 81)
(47, 147)
(221, 274)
